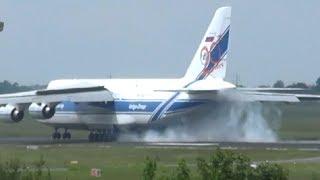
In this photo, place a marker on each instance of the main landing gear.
(95, 135)
(57, 136)
(103, 135)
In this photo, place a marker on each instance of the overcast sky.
(46, 40)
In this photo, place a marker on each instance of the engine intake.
(10, 113)
(42, 111)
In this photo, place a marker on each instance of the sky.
(47, 40)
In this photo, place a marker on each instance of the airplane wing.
(221, 90)
(278, 97)
(271, 89)
(54, 96)
(267, 97)
(42, 103)
(299, 93)
(219, 95)
(308, 97)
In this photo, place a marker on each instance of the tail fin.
(210, 58)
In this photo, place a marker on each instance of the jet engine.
(11, 114)
(41, 111)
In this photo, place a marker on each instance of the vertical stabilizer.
(210, 58)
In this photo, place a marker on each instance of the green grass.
(31, 128)
(123, 161)
(303, 170)
(300, 122)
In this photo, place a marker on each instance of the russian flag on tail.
(209, 39)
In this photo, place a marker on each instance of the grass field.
(124, 161)
(31, 128)
(299, 122)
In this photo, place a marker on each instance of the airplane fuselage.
(136, 102)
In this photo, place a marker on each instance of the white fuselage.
(136, 102)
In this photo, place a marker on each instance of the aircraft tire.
(58, 136)
(91, 137)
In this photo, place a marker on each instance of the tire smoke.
(227, 121)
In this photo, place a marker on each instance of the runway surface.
(282, 145)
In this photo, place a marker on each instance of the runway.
(281, 145)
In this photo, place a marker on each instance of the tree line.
(281, 84)
(8, 87)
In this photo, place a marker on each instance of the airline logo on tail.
(211, 59)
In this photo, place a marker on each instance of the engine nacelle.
(42, 111)
(11, 114)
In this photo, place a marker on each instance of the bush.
(225, 165)
(149, 171)
(14, 169)
(10, 169)
(229, 165)
(221, 165)
(269, 171)
(204, 169)
(182, 172)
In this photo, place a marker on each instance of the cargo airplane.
(105, 106)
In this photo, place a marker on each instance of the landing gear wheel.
(54, 136)
(91, 137)
(66, 136)
(69, 135)
(58, 136)
(103, 135)
(96, 137)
